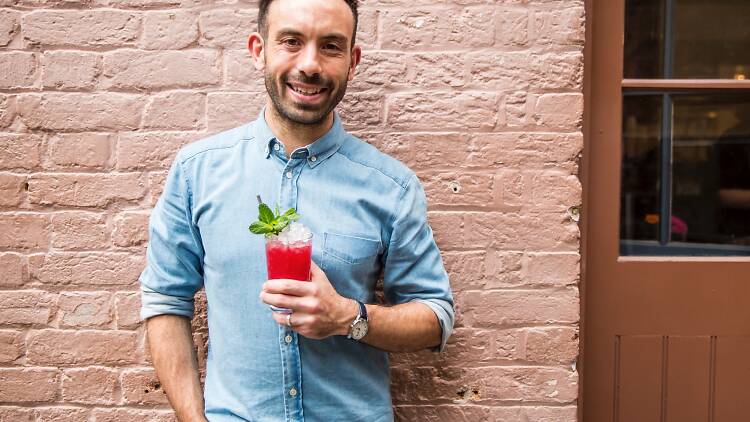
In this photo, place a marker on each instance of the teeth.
(306, 91)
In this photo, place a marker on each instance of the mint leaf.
(272, 223)
(265, 214)
(260, 227)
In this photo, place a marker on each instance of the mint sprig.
(271, 223)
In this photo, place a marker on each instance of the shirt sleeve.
(413, 267)
(174, 271)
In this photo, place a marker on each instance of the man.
(368, 216)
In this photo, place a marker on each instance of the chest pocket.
(351, 264)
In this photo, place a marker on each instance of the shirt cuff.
(154, 303)
(444, 312)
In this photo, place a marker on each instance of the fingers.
(309, 305)
(288, 287)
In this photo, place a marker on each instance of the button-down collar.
(316, 152)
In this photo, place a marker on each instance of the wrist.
(349, 312)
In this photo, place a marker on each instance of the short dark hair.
(263, 15)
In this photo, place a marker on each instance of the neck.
(295, 135)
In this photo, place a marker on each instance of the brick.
(485, 384)
(444, 111)
(86, 268)
(511, 28)
(175, 111)
(507, 70)
(367, 27)
(11, 346)
(504, 231)
(71, 69)
(552, 269)
(8, 26)
(80, 150)
(84, 347)
(133, 415)
(127, 310)
(8, 111)
(150, 150)
(27, 307)
(453, 413)
(537, 414)
(13, 269)
(92, 28)
(552, 345)
(20, 151)
(437, 29)
(361, 110)
(79, 231)
(141, 386)
(546, 191)
(171, 30)
(12, 189)
(20, 70)
(131, 229)
(156, 182)
(62, 413)
(380, 69)
(80, 112)
(85, 309)
(503, 270)
(228, 110)
(466, 269)
(239, 72)
(94, 385)
(136, 69)
(559, 111)
(502, 308)
(430, 151)
(29, 384)
(17, 414)
(556, 71)
(86, 190)
(558, 26)
(452, 189)
(24, 231)
(226, 27)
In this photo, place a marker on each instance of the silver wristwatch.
(359, 326)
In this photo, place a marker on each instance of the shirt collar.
(316, 152)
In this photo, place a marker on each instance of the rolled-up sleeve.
(414, 270)
(174, 271)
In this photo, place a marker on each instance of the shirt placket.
(288, 339)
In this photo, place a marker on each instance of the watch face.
(359, 329)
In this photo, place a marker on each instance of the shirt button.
(289, 175)
(288, 339)
(276, 147)
(313, 158)
(293, 392)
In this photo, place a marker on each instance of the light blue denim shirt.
(367, 213)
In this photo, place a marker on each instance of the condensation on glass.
(685, 186)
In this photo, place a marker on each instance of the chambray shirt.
(367, 213)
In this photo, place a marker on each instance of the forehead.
(311, 17)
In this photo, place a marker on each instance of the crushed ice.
(294, 232)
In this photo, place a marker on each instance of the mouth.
(307, 93)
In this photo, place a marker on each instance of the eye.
(332, 46)
(290, 42)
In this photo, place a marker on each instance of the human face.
(307, 58)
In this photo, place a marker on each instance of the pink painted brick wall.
(483, 99)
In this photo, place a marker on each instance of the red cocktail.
(288, 260)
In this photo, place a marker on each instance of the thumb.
(315, 272)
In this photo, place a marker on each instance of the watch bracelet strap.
(362, 310)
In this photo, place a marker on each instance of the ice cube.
(295, 232)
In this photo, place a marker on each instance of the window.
(685, 186)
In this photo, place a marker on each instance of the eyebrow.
(333, 36)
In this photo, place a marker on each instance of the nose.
(309, 63)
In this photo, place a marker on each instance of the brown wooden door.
(665, 338)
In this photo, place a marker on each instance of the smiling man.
(327, 360)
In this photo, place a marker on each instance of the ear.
(356, 57)
(256, 46)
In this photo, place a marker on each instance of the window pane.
(644, 39)
(711, 169)
(709, 39)
(639, 198)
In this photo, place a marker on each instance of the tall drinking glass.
(288, 260)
